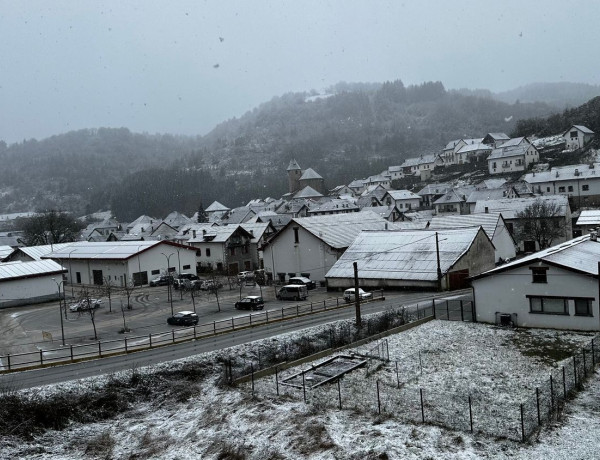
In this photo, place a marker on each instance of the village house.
(410, 259)
(452, 202)
(577, 136)
(334, 206)
(516, 154)
(404, 200)
(495, 140)
(310, 246)
(472, 153)
(588, 221)
(555, 288)
(26, 283)
(432, 192)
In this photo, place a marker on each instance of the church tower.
(294, 174)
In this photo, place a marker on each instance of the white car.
(349, 294)
(84, 305)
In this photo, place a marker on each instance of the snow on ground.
(220, 422)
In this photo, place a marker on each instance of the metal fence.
(455, 310)
(99, 349)
(393, 390)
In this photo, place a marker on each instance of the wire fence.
(393, 388)
(98, 349)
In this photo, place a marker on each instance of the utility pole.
(357, 296)
(439, 268)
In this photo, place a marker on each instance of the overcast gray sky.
(182, 67)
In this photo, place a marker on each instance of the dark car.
(310, 284)
(162, 280)
(180, 282)
(252, 302)
(183, 318)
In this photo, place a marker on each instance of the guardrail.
(100, 349)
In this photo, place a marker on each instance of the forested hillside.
(351, 132)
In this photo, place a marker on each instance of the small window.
(538, 274)
(207, 252)
(561, 190)
(585, 187)
(155, 272)
(549, 305)
(570, 188)
(296, 236)
(548, 189)
(583, 307)
(186, 267)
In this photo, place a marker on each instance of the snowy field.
(202, 419)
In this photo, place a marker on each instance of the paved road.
(51, 375)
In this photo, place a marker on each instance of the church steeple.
(294, 174)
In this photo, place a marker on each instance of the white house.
(472, 153)
(123, 262)
(410, 259)
(588, 221)
(25, 283)
(577, 136)
(513, 155)
(554, 288)
(404, 200)
(492, 223)
(495, 140)
(580, 182)
(311, 245)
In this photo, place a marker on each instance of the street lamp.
(179, 267)
(71, 274)
(62, 328)
(169, 281)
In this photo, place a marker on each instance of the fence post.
(584, 365)
(422, 407)
(522, 424)
(266, 316)
(551, 394)
(100, 349)
(8, 359)
(470, 414)
(71, 353)
(125, 344)
(150, 339)
(194, 332)
(537, 400)
(564, 384)
(41, 358)
(324, 305)
(281, 312)
(232, 325)
(418, 317)
(250, 318)
(173, 334)
(339, 394)
(593, 356)
(448, 309)
(462, 315)
(214, 327)
(397, 374)
(387, 349)
(337, 301)
(575, 370)
(378, 399)
(303, 387)
(420, 362)
(277, 380)
(298, 312)
(434, 308)
(252, 377)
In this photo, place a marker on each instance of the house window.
(573, 134)
(199, 253)
(155, 272)
(585, 187)
(538, 274)
(570, 188)
(583, 307)
(207, 252)
(561, 190)
(549, 305)
(548, 189)
(296, 236)
(186, 267)
(245, 249)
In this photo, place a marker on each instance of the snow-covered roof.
(403, 254)
(142, 220)
(561, 173)
(492, 183)
(489, 222)
(509, 207)
(409, 162)
(216, 206)
(5, 251)
(451, 196)
(403, 195)
(498, 136)
(589, 217)
(583, 129)
(474, 148)
(310, 174)
(293, 166)
(307, 192)
(357, 183)
(486, 194)
(176, 219)
(109, 250)
(383, 211)
(434, 189)
(256, 229)
(508, 151)
(214, 234)
(335, 205)
(18, 269)
(339, 230)
(579, 254)
(426, 159)
(515, 141)
(36, 252)
(238, 215)
(450, 145)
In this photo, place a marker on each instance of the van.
(292, 292)
(310, 284)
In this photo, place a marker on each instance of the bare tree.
(125, 328)
(107, 289)
(542, 221)
(128, 289)
(89, 305)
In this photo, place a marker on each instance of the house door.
(458, 279)
(97, 275)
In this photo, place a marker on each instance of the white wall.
(504, 243)
(310, 255)
(29, 290)
(506, 293)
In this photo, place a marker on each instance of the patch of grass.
(101, 445)
(550, 350)
(151, 445)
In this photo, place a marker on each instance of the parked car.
(183, 318)
(180, 281)
(242, 276)
(162, 280)
(84, 305)
(292, 292)
(252, 302)
(209, 285)
(349, 295)
(310, 284)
